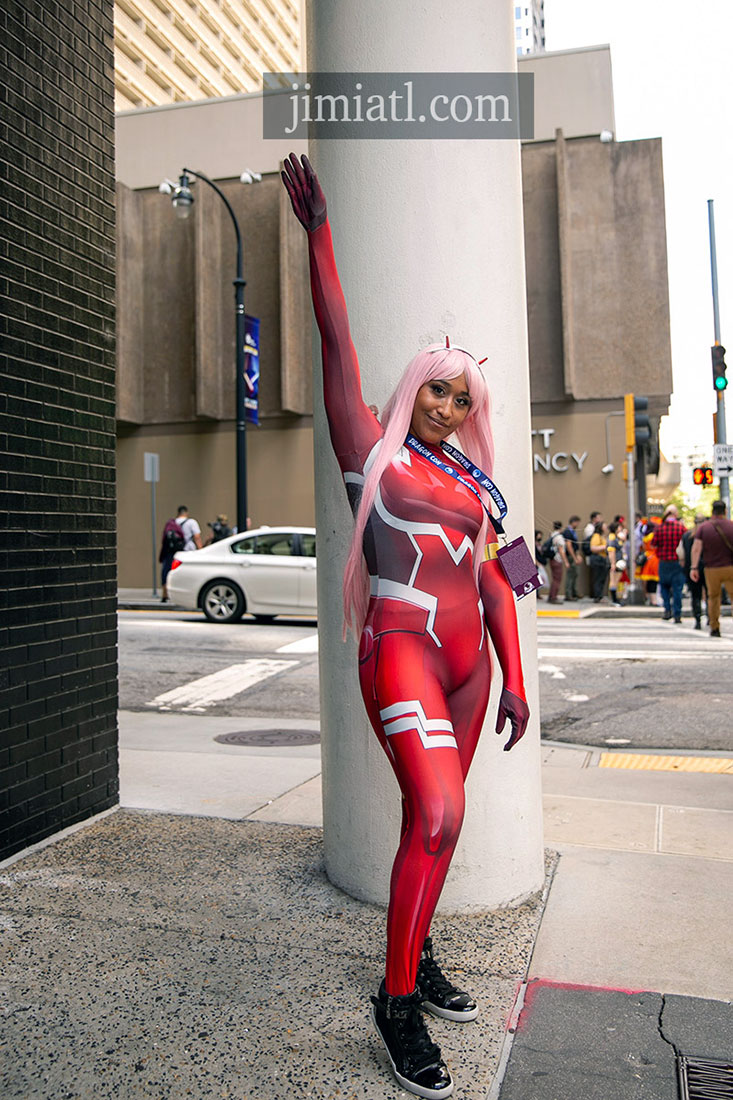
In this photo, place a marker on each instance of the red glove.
(306, 195)
(514, 710)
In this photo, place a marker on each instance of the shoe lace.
(431, 973)
(416, 1041)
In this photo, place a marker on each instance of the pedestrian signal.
(702, 475)
(720, 382)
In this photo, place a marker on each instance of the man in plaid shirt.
(665, 541)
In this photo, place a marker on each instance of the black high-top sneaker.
(415, 1058)
(439, 996)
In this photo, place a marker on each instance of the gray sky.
(671, 79)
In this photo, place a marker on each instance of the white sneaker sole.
(418, 1090)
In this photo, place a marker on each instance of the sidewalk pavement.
(190, 945)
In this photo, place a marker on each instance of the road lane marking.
(225, 683)
(302, 645)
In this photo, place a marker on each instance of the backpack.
(585, 547)
(546, 551)
(220, 531)
(173, 538)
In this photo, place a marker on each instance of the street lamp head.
(608, 468)
(248, 176)
(182, 197)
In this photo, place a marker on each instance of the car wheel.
(222, 602)
(264, 618)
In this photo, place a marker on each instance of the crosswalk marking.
(622, 654)
(199, 694)
(308, 644)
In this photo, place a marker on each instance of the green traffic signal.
(720, 382)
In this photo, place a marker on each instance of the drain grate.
(270, 737)
(704, 1078)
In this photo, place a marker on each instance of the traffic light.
(642, 424)
(702, 475)
(629, 420)
(637, 423)
(720, 382)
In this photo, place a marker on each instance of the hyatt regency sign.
(559, 461)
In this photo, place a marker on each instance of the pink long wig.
(474, 439)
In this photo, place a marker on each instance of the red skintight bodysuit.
(424, 663)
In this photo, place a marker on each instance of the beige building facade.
(176, 51)
(597, 306)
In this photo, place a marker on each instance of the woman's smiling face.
(440, 408)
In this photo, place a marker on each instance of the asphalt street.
(641, 684)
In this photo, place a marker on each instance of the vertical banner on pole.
(152, 474)
(252, 368)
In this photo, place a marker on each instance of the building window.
(519, 32)
(517, 13)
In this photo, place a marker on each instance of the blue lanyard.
(478, 475)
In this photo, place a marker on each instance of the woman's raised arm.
(354, 428)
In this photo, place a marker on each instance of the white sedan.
(266, 572)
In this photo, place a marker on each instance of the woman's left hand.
(514, 710)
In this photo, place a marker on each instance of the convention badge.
(519, 567)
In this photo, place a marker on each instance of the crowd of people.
(667, 557)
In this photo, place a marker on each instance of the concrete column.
(428, 238)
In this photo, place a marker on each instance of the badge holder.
(519, 567)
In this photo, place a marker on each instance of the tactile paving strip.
(661, 763)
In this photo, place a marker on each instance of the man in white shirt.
(190, 528)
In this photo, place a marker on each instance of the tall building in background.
(175, 51)
(529, 27)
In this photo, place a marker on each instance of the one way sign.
(723, 459)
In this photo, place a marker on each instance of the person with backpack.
(588, 532)
(695, 588)
(572, 552)
(181, 533)
(556, 560)
(220, 529)
(714, 539)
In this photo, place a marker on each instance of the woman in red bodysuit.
(421, 587)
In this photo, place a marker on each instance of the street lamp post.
(182, 199)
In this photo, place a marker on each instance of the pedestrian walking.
(695, 587)
(714, 540)
(423, 662)
(616, 559)
(648, 563)
(558, 560)
(171, 542)
(220, 529)
(181, 533)
(666, 540)
(190, 528)
(574, 558)
(599, 561)
(540, 561)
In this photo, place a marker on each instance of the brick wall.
(58, 739)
